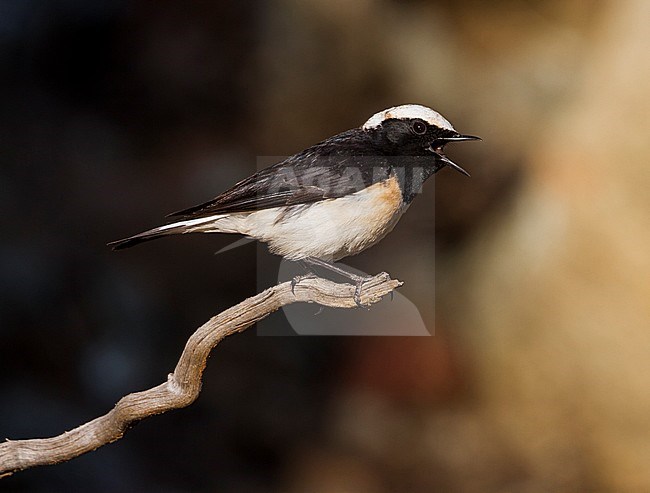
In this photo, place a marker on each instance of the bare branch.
(184, 384)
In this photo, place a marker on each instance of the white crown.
(409, 111)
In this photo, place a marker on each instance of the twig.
(184, 384)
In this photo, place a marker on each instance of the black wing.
(336, 167)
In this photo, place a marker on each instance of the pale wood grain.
(184, 384)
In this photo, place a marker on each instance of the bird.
(332, 200)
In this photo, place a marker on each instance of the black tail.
(152, 234)
(132, 241)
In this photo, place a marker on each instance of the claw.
(357, 292)
(297, 279)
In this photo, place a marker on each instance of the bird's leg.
(297, 279)
(308, 275)
(358, 280)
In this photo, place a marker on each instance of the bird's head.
(415, 130)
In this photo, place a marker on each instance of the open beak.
(437, 148)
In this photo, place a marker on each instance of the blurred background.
(115, 113)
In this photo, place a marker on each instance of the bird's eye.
(419, 127)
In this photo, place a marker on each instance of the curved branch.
(184, 384)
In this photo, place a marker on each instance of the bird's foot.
(357, 292)
(360, 281)
(297, 279)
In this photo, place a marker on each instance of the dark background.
(115, 113)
